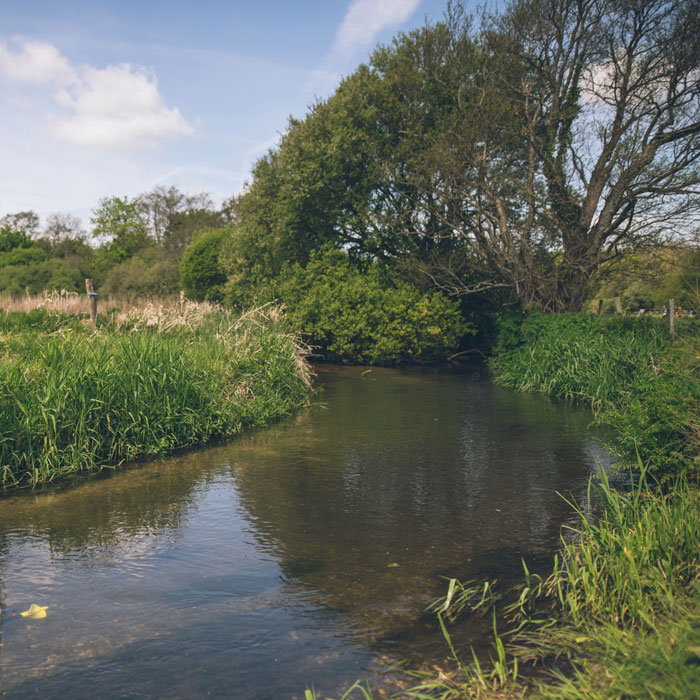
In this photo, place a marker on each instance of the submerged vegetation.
(74, 398)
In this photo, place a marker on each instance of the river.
(302, 554)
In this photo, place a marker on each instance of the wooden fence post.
(93, 301)
(672, 317)
(600, 307)
(618, 305)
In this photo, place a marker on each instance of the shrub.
(201, 275)
(362, 315)
(137, 278)
(39, 275)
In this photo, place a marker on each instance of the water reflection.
(304, 553)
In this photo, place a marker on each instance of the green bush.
(40, 275)
(201, 275)
(363, 316)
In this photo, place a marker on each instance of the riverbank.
(143, 383)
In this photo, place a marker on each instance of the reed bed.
(145, 382)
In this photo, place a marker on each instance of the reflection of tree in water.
(101, 513)
(408, 478)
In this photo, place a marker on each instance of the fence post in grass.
(93, 301)
(600, 307)
(618, 305)
(672, 317)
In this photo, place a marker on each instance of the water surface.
(302, 554)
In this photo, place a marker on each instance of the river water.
(303, 554)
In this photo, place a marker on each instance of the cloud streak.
(365, 19)
(113, 108)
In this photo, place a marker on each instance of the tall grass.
(638, 381)
(145, 383)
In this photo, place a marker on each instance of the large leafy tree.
(528, 152)
(347, 174)
(121, 227)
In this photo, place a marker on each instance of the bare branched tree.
(583, 144)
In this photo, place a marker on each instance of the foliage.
(648, 281)
(25, 222)
(11, 239)
(532, 149)
(637, 380)
(122, 228)
(201, 274)
(72, 399)
(38, 276)
(143, 278)
(340, 176)
(362, 315)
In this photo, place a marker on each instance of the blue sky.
(113, 98)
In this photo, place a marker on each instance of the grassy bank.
(619, 617)
(638, 381)
(145, 382)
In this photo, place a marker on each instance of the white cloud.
(35, 62)
(117, 107)
(366, 18)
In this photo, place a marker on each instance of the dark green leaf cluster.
(201, 274)
(362, 315)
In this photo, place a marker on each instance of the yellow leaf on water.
(35, 611)
(391, 566)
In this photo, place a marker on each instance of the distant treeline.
(542, 155)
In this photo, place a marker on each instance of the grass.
(145, 382)
(638, 381)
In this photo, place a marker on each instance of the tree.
(163, 205)
(587, 144)
(201, 274)
(25, 221)
(11, 239)
(122, 228)
(62, 227)
(346, 174)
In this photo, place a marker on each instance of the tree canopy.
(528, 151)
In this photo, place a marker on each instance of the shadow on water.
(303, 553)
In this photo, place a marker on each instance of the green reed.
(637, 379)
(73, 398)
